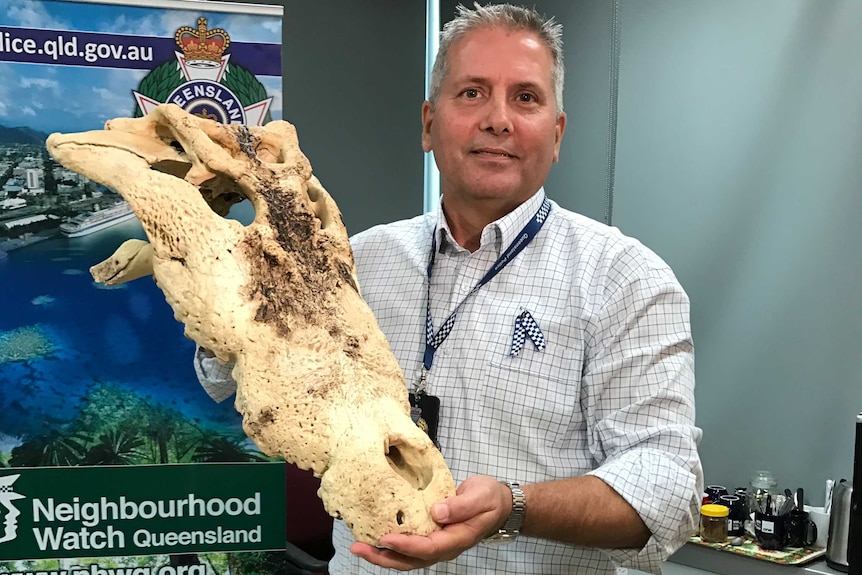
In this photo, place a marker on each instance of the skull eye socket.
(409, 465)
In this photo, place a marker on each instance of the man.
(577, 432)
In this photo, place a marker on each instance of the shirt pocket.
(532, 399)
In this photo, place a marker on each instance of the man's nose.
(497, 118)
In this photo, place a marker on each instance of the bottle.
(713, 523)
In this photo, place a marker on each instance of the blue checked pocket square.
(526, 327)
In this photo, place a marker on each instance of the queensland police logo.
(202, 83)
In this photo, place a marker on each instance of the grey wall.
(354, 82)
(739, 160)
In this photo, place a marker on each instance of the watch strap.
(514, 522)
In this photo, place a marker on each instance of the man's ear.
(427, 120)
(560, 130)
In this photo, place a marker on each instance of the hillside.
(21, 136)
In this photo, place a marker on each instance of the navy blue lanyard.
(432, 340)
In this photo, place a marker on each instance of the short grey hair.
(505, 16)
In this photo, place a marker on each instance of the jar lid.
(712, 510)
(763, 479)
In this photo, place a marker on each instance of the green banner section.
(58, 512)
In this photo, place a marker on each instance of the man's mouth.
(493, 152)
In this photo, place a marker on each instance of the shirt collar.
(501, 232)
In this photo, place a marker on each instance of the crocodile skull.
(316, 380)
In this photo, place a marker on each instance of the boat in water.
(23, 241)
(90, 222)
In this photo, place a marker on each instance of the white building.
(34, 178)
(12, 203)
(25, 221)
(13, 186)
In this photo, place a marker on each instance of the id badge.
(426, 413)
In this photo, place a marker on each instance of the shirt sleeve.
(215, 377)
(638, 395)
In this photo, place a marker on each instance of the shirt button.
(447, 351)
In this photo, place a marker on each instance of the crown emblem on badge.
(202, 44)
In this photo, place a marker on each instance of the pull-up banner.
(113, 460)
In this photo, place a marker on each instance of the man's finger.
(387, 558)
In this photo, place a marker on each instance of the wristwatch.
(512, 528)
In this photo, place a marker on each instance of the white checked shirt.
(611, 395)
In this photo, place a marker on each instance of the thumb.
(470, 503)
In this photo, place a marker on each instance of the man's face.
(494, 130)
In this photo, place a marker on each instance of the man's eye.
(471, 93)
(526, 98)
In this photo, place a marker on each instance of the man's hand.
(478, 509)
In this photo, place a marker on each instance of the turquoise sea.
(61, 333)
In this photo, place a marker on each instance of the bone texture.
(317, 382)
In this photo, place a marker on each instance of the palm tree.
(116, 447)
(50, 449)
(160, 426)
(187, 439)
(220, 448)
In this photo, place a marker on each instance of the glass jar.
(713, 523)
(762, 483)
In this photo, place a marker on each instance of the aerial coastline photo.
(40, 199)
(80, 361)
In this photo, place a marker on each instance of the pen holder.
(771, 531)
